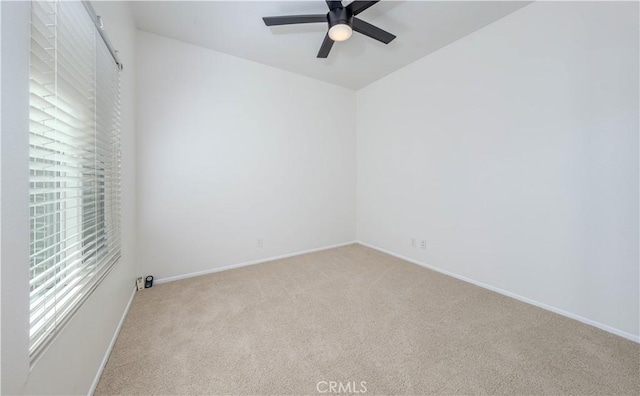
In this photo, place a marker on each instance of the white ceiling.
(236, 28)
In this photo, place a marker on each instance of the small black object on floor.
(148, 282)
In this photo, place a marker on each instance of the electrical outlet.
(413, 242)
(423, 244)
(260, 242)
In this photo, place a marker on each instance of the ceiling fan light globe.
(340, 32)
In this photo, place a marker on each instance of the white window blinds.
(74, 149)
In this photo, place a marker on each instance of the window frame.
(72, 225)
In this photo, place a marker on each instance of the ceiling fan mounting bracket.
(334, 4)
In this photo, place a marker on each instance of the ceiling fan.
(342, 22)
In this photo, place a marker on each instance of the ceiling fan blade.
(357, 7)
(334, 4)
(326, 47)
(368, 29)
(294, 19)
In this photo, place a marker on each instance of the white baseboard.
(247, 263)
(111, 344)
(559, 311)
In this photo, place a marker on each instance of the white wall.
(230, 151)
(14, 209)
(71, 362)
(514, 153)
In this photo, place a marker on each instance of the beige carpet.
(349, 315)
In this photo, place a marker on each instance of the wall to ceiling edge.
(231, 152)
(513, 153)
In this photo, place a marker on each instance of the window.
(74, 150)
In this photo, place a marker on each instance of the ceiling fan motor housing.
(339, 16)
